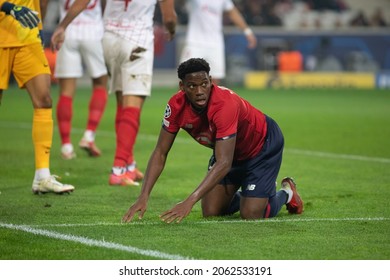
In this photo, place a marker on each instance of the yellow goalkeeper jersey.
(12, 33)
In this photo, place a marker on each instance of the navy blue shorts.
(257, 176)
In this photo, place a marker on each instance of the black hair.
(192, 65)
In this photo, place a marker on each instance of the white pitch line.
(154, 253)
(153, 138)
(337, 156)
(273, 220)
(93, 242)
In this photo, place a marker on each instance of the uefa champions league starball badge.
(167, 113)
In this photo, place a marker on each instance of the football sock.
(132, 166)
(287, 189)
(42, 173)
(127, 133)
(97, 105)
(42, 136)
(67, 148)
(64, 117)
(89, 135)
(118, 170)
(275, 203)
(118, 117)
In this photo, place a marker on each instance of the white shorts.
(130, 76)
(76, 53)
(215, 56)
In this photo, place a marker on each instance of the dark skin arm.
(169, 17)
(103, 5)
(237, 18)
(153, 171)
(58, 37)
(43, 4)
(224, 152)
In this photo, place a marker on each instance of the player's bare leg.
(253, 207)
(218, 200)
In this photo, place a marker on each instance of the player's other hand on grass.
(57, 39)
(139, 206)
(26, 17)
(177, 213)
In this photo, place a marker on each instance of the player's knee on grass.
(210, 211)
(213, 209)
(253, 208)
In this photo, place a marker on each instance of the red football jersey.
(227, 115)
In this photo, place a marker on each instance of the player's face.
(197, 87)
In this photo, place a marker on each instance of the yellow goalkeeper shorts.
(23, 62)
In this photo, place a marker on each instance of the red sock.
(97, 105)
(126, 135)
(118, 117)
(64, 117)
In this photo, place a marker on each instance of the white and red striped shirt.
(131, 20)
(88, 25)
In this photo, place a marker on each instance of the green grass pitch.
(337, 148)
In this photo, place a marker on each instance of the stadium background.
(345, 37)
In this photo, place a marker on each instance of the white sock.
(89, 135)
(119, 170)
(42, 173)
(67, 148)
(289, 192)
(131, 167)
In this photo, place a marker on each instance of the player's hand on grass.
(139, 206)
(57, 39)
(177, 213)
(26, 17)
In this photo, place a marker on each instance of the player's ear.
(181, 85)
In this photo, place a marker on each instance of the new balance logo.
(251, 187)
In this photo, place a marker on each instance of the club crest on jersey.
(168, 111)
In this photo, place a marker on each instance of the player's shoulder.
(224, 89)
(223, 98)
(179, 95)
(223, 93)
(178, 99)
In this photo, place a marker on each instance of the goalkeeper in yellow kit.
(21, 53)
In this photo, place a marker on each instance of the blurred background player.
(128, 44)
(82, 46)
(204, 36)
(21, 53)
